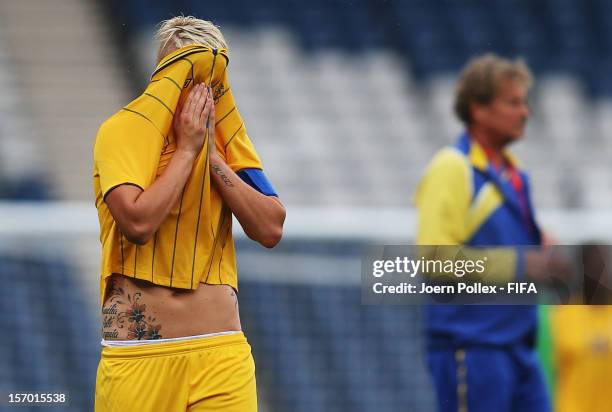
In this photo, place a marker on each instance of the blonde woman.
(170, 170)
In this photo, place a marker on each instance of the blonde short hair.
(181, 31)
(480, 79)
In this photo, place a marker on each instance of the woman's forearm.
(260, 216)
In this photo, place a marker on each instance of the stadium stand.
(50, 336)
(375, 92)
(21, 159)
(315, 345)
(50, 340)
(66, 68)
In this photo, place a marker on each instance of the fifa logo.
(522, 287)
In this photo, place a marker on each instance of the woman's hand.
(190, 120)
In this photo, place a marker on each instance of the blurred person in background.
(474, 193)
(581, 339)
(170, 170)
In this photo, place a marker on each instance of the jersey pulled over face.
(194, 243)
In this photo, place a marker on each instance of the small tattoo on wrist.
(219, 172)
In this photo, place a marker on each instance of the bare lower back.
(136, 309)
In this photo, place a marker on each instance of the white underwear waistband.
(123, 343)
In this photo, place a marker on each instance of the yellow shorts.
(202, 374)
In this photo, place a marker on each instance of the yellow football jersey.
(194, 243)
(582, 341)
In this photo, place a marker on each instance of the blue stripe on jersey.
(257, 180)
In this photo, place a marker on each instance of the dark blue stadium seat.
(54, 340)
(319, 349)
(435, 36)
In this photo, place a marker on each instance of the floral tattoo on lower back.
(139, 324)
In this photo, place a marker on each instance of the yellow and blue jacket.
(463, 200)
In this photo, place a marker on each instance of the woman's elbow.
(139, 234)
(272, 237)
(274, 233)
